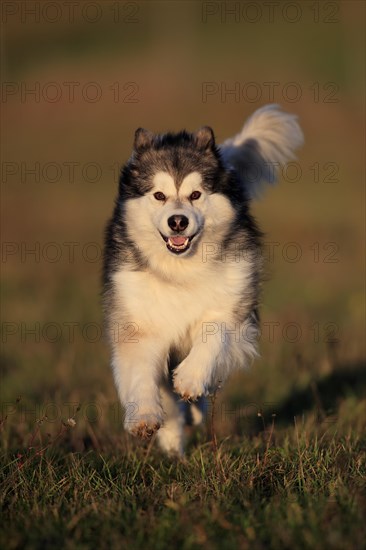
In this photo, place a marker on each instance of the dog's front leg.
(137, 369)
(196, 374)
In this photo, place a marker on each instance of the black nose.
(178, 223)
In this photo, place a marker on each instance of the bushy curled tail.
(265, 144)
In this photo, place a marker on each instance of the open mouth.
(177, 243)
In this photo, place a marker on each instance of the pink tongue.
(178, 241)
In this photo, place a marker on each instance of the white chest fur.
(171, 307)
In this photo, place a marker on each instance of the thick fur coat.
(182, 266)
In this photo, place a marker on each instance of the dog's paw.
(187, 383)
(144, 426)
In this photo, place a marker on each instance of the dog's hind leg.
(170, 435)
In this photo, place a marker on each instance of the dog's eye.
(195, 195)
(159, 196)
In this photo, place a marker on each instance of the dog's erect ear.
(205, 138)
(143, 139)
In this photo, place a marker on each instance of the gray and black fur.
(269, 136)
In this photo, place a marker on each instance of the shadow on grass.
(320, 396)
(324, 395)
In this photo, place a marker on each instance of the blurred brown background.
(78, 80)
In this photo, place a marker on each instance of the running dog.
(182, 266)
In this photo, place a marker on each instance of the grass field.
(300, 485)
(288, 470)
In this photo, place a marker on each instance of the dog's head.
(174, 190)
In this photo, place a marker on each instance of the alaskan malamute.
(182, 266)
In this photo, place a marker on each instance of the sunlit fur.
(179, 320)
